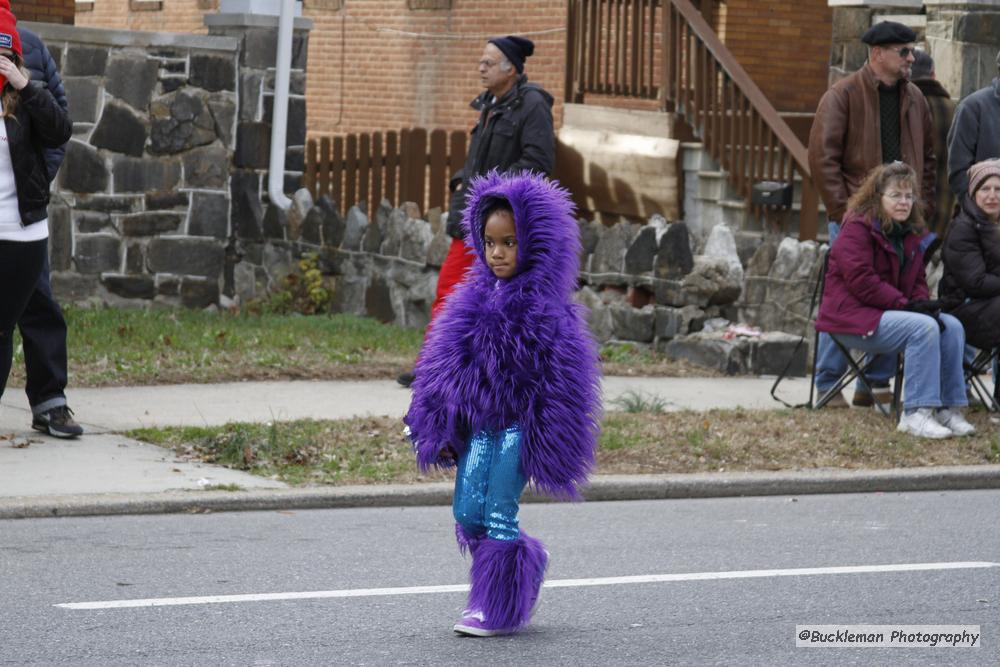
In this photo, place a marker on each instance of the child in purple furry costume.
(508, 389)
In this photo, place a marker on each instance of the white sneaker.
(954, 421)
(922, 424)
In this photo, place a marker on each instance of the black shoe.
(407, 378)
(57, 422)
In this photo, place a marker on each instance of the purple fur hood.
(516, 350)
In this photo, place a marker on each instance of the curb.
(602, 488)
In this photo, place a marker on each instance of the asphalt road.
(694, 620)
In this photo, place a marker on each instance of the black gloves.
(930, 307)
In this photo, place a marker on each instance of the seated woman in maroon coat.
(876, 299)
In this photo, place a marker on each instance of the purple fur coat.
(516, 350)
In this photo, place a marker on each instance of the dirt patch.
(374, 450)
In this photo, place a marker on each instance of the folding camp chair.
(974, 371)
(857, 368)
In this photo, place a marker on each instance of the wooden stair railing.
(611, 48)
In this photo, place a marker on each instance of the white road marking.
(558, 583)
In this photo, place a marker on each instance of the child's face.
(501, 244)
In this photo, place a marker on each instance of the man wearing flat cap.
(974, 134)
(514, 133)
(873, 116)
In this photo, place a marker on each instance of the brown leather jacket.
(845, 142)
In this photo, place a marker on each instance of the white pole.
(279, 118)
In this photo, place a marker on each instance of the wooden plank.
(416, 160)
(351, 171)
(809, 211)
(392, 167)
(608, 41)
(753, 141)
(404, 168)
(621, 77)
(731, 135)
(457, 152)
(706, 102)
(364, 171)
(438, 181)
(635, 88)
(770, 155)
(712, 77)
(668, 56)
(739, 164)
(309, 175)
(324, 167)
(592, 43)
(337, 174)
(679, 51)
(621, 44)
(378, 166)
(569, 87)
(649, 37)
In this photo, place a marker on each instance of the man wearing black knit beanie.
(514, 134)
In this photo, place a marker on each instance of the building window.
(145, 5)
(428, 4)
(328, 5)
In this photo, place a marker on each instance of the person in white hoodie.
(32, 122)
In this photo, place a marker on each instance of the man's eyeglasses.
(488, 64)
(903, 51)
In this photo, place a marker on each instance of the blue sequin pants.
(489, 483)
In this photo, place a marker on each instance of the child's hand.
(11, 72)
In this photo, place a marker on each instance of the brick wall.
(47, 11)
(168, 16)
(388, 78)
(784, 47)
(406, 67)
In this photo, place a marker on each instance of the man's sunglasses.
(903, 51)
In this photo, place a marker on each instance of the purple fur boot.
(467, 542)
(506, 579)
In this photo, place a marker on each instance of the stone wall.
(961, 36)
(852, 18)
(649, 285)
(171, 138)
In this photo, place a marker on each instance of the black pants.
(43, 333)
(20, 266)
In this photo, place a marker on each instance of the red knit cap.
(9, 39)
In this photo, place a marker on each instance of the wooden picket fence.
(412, 165)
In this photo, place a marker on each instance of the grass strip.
(374, 450)
(111, 347)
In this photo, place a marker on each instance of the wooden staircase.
(665, 52)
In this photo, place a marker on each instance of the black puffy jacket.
(515, 134)
(970, 286)
(38, 123)
(42, 66)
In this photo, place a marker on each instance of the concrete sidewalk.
(125, 408)
(104, 472)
